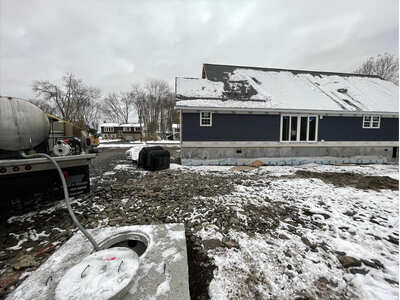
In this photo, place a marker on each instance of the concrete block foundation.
(286, 155)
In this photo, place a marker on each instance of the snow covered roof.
(119, 125)
(109, 125)
(278, 89)
(130, 125)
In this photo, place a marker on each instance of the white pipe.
(66, 195)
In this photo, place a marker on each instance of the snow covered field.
(306, 232)
(115, 144)
(337, 242)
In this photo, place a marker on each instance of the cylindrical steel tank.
(22, 125)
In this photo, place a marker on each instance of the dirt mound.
(351, 179)
(257, 163)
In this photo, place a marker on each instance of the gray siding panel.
(350, 129)
(231, 127)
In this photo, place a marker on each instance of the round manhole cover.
(106, 274)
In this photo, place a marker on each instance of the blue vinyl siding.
(350, 129)
(253, 127)
(231, 127)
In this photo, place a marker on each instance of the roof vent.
(344, 91)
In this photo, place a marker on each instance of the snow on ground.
(124, 167)
(304, 260)
(302, 256)
(104, 141)
(27, 218)
(114, 145)
(133, 144)
(375, 170)
(133, 153)
(172, 142)
(108, 173)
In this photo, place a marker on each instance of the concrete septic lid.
(106, 274)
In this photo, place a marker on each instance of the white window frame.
(201, 118)
(298, 128)
(108, 129)
(370, 120)
(126, 129)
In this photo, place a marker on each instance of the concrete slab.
(162, 273)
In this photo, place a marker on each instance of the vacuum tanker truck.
(26, 129)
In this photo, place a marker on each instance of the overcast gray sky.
(111, 44)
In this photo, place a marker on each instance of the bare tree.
(74, 101)
(156, 92)
(385, 65)
(91, 115)
(43, 105)
(139, 101)
(119, 106)
(154, 104)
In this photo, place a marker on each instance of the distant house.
(236, 114)
(126, 132)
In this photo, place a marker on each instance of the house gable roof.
(225, 86)
(215, 72)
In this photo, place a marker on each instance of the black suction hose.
(66, 195)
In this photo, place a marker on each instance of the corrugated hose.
(66, 195)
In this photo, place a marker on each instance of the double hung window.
(371, 122)
(108, 129)
(205, 118)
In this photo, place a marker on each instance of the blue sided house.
(236, 114)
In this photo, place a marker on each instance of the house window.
(205, 118)
(126, 129)
(108, 129)
(299, 128)
(371, 122)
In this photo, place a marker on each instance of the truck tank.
(23, 125)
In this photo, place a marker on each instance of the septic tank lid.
(106, 274)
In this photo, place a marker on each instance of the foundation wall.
(287, 155)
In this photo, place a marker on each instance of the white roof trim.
(280, 110)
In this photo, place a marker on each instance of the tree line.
(75, 101)
(153, 101)
(384, 65)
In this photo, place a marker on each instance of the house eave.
(281, 110)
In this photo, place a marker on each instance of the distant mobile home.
(236, 114)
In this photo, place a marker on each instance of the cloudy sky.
(111, 44)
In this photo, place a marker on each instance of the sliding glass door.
(299, 128)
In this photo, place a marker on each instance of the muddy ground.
(131, 197)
